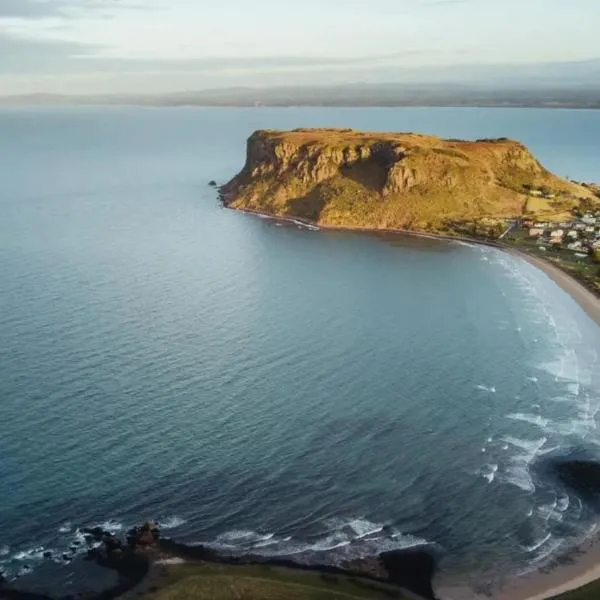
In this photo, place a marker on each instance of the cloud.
(43, 9)
(46, 56)
(24, 55)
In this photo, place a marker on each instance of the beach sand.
(586, 299)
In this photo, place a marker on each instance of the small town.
(581, 235)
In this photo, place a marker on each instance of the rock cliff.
(345, 178)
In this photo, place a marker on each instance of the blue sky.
(149, 46)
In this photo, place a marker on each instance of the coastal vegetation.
(205, 581)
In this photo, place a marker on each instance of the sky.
(159, 46)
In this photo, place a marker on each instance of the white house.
(573, 234)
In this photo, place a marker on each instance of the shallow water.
(264, 387)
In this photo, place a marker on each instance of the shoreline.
(580, 566)
(586, 300)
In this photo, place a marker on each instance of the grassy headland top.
(347, 178)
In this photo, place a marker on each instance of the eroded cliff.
(345, 178)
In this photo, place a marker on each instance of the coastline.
(588, 302)
(581, 565)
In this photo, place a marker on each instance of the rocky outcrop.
(582, 476)
(411, 569)
(346, 178)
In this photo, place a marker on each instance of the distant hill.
(346, 178)
(569, 84)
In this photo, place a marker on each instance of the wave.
(171, 522)
(537, 545)
(4, 551)
(65, 528)
(341, 539)
(485, 388)
(517, 472)
(112, 526)
(537, 420)
(489, 472)
(36, 553)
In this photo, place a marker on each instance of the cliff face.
(351, 179)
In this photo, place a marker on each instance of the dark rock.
(96, 533)
(212, 183)
(583, 476)
(47, 554)
(146, 535)
(412, 569)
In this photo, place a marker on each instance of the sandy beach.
(586, 299)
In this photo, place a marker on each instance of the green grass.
(201, 581)
(587, 592)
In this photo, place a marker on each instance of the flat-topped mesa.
(345, 178)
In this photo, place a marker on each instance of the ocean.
(261, 387)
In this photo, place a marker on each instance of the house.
(557, 234)
(536, 193)
(580, 226)
(574, 246)
(536, 232)
(590, 229)
(573, 235)
(588, 220)
(580, 255)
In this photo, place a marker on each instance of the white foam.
(538, 545)
(112, 526)
(65, 528)
(530, 446)
(517, 472)
(363, 528)
(171, 523)
(549, 551)
(485, 388)
(519, 477)
(36, 553)
(537, 420)
(344, 538)
(533, 379)
(563, 503)
(489, 472)
(4, 550)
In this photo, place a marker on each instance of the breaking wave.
(342, 539)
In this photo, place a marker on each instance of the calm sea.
(263, 387)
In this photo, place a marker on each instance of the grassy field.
(588, 592)
(202, 581)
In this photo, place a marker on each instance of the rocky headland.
(142, 553)
(342, 178)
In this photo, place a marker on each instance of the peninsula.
(489, 189)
